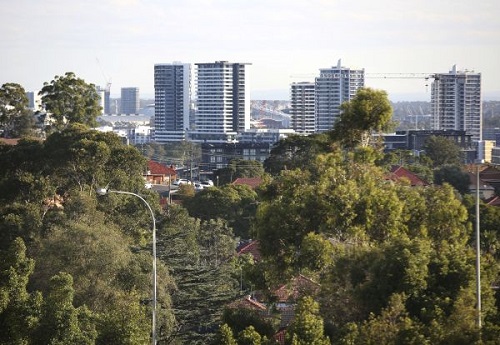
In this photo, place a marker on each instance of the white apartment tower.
(130, 100)
(456, 102)
(333, 87)
(302, 108)
(222, 102)
(172, 101)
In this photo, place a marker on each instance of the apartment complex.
(130, 100)
(222, 101)
(172, 101)
(302, 114)
(456, 102)
(333, 87)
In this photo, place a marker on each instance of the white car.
(181, 181)
(207, 183)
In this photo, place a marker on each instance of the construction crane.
(107, 90)
(106, 79)
(425, 76)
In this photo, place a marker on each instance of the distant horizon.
(118, 42)
(401, 97)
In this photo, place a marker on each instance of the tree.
(19, 309)
(16, 119)
(249, 336)
(307, 327)
(239, 168)
(368, 112)
(453, 175)
(69, 99)
(442, 151)
(295, 152)
(205, 282)
(61, 322)
(236, 204)
(392, 326)
(226, 336)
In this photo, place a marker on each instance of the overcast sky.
(285, 40)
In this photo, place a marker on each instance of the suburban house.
(284, 297)
(252, 248)
(252, 182)
(398, 173)
(158, 173)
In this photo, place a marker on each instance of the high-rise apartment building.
(333, 87)
(222, 101)
(130, 100)
(172, 101)
(302, 113)
(456, 102)
(104, 98)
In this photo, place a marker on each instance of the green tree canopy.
(307, 327)
(236, 204)
(442, 151)
(69, 99)
(454, 175)
(239, 168)
(295, 151)
(20, 310)
(16, 120)
(368, 112)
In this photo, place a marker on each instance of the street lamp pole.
(478, 248)
(104, 191)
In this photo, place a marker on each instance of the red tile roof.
(253, 182)
(494, 201)
(251, 248)
(398, 172)
(297, 287)
(249, 303)
(156, 168)
(9, 141)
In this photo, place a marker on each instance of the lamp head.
(101, 191)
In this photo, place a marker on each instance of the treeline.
(395, 264)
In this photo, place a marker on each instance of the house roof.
(9, 141)
(483, 184)
(493, 201)
(253, 182)
(156, 168)
(398, 172)
(252, 248)
(490, 175)
(249, 303)
(296, 288)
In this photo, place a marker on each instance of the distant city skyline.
(120, 41)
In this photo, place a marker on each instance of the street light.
(104, 191)
(478, 246)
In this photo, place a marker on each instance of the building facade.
(222, 101)
(302, 114)
(130, 100)
(456, 102)
(333, 87)
(104, 99)
(172, 101)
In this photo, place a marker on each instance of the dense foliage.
(391, 263)
(16, 119)
(69, 100)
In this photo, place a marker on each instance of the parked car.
(207, 183)
(181, 181)
(198, 186)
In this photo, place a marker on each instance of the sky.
(286, 41)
